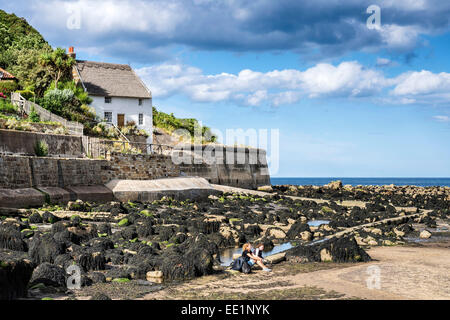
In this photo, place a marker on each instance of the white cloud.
(442, 118)
(256, 88)
(423, 83)
(99, 17)
(280, 87)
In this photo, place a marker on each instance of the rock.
(277, 233)
(296, 230)
(265, 189)
(49, 275)
(334, 185)
(344, 249)
(15, 273)
(376, 231)
(11, 239)
(78, 205)
(372, 243)
(276, 258)
(35, 218)
(49, 217)
(398, 233)
(97, 277)
(425, 234)
(325, 255)
(154, 274)
(91, 261)
(45, 249)
(84, 233)
(306, 235)
(360, 241)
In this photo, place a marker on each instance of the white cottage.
(118, 94)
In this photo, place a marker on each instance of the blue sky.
(348, 101)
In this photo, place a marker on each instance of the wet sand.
(406, 272)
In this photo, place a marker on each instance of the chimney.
(72, 53)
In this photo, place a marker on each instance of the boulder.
(276, 233)
(15, 273)
(297, 229)
(45, 249)
(265, 189)
(334, 185)
(425, 234)
(344, 249)
(11, 239)
(154, 274)
(49, 275)
(306, 235)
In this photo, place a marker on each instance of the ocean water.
(420, 182)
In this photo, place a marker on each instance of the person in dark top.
(251, 258)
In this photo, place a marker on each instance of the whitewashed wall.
(130, 108)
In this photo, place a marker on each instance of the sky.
(348, 97)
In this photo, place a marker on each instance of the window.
(108, 117)
(108, 99)
(141, 119)
(140, 102)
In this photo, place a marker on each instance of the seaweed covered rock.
(97, 277)
(11, 239)
(344, 249)
(35, 218)
(85, 233)
(15, 273)
(297, 229)
(49, 275)
(91, 261)
(48, 217)
(193, 258)
(45, 248)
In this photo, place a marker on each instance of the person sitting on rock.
(259, 251)
(251, 258)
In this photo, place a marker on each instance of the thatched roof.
(5, 75)
(111, 80)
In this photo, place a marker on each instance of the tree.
(58, 63)
(31, 74)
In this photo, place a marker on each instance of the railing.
(118, 131)
(26, 106)
(99, 148)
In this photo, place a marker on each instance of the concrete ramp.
(149, 190)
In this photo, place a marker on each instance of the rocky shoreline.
(144, 244)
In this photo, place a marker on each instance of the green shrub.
(7, 107)
(8, 86)
(34, 117)
(170, 123)
(57, 100)
(27, 94)
(41, 148)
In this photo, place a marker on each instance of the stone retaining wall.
(25, 172)
(140, 167)
(23, 142)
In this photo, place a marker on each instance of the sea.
(420, 182)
